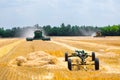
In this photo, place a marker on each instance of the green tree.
(1, 32)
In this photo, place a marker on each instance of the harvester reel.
(29, 39)
(46, 39)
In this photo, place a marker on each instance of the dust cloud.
(28, 32)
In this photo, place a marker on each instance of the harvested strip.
(4, 50)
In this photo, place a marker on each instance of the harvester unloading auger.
(38, 35)
(82, 62)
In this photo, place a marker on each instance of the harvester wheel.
(66, 56)
(93, 56)
(69, 64)
(96, 64)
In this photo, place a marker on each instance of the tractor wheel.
(93, 56)
(69, 64)
(66, 56)
(96, 64)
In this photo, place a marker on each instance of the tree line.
(68, 30)
(113, 30)
(63, 30)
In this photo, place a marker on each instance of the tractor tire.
(96, 64)
(66, 56)
(93, 56)
(69, 64)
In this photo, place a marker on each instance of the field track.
(107, 50)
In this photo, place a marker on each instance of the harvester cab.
(38, 35)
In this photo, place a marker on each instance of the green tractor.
(82, 62)
(38, 35)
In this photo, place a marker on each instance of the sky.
(21, 13)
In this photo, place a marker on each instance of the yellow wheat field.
(50, 64)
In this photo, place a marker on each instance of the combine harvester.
(38, 35)
(81, 63)
(98, 34)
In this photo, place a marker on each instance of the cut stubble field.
(53, 66)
